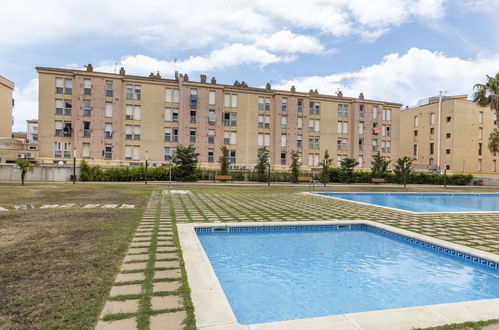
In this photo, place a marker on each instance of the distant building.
(456, 139)
(32, 131)
(6, 106)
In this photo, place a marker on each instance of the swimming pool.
(276, 273)
(425, 202)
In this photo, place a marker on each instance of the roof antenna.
(115, 64)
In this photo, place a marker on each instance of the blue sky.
(395, 50)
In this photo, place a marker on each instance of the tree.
(347, 165)
(186, 160)
(379, 165)
(326, 164)
(295, 166)
(262, 163)
(224, 161)
(403, 168)
(487, 95)
(494, 141)
(25, 167)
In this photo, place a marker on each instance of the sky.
(392, 50)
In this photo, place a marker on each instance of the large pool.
(274, 274)
(426, 202)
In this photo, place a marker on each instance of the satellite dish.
(60, 163)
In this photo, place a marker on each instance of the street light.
(145, 174)
(74, 165)
(268, 162)
(445, 175)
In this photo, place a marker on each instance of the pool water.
(426, 202)
(285, 275)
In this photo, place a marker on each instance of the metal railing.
(313, 183)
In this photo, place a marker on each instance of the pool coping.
(318, 193)
(213, 311)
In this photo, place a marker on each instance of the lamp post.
(268, 162)
(74, 165)
(145, 174)
(445, 175)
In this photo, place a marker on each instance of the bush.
(459, 179)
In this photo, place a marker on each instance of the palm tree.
(494, 142)
(487, 95)
(25, 167)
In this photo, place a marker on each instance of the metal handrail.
(312, 183)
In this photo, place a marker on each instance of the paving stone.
(2, 209)
(115, 307)
(140, 244)
(49, 206)
(165, 249)
(163, 255)
(67, 205)
(128, 324)
(168, 321)
(134, 266)
(109, 206)
(130, 277)
(127, 206)
(138, 250)
(166, 286)
(136, 257)
(23, 207)
(166, 264)
(172, 273)
(166, 302)
(119, 290)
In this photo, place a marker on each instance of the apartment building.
(32, 131)
(450, 134)
(114, 119)
(6, 106)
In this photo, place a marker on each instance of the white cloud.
(287, 42)
(405, 78)
(26, 105)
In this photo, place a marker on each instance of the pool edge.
(213, 311)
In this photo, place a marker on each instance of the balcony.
(193, 101)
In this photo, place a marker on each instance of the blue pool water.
(284, 275)
(426, 202)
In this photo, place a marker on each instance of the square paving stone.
(134, 266)
(166, 302)
(166, 286)
(128, 324)
(168, 321)
(166, 249)
(163, 255)
(136, 257)
(143, 244)
(172, 273)
(115, 307)
(166, 264)
(138, 250)
(130, 277)
(120, 290)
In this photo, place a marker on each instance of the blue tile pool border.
(476, 260)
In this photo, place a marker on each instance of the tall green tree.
(261, 164)
(347, 165)
(487, 95)
(379, 165)
(325, 164)
(403, 167)
(295, 166)
(186, 161)
(224, 160)
(25, 167)
(494, 141)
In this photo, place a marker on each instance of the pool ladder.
(312, 183)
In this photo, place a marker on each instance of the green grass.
(463, 326)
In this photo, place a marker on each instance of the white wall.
(55, 173)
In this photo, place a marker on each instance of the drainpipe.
(439, 128)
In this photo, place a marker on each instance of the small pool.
(425, 202)
(276, 273)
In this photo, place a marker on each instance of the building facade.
(457, 139)
(6, 106)
(32, 131)
(113, 119)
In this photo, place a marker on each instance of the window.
(311, 108)
(108, 152)
(211, 97)
(167, 153)
(233, 118)
(128, 132)
(227, 137)
(432, 118)
(361, 127)
(342, 144)
(168, 114)
(175, 115)
(387, 114)
(361, 144)
(479, 165)
(260, 139)
(212, 116)
(233, 138)
(342, 110)
(432, 148)
(375, 112)
(87, 86)
(415, 150)
(260, 121)
(313, 160)
(267, 121)
(480, 133)
(128, 152)
(448, 119)
(168, 134)
(86, 129)
(447, 135)
(375, 129)
(415, 132)
(299, 123)
(59, 127)
(480, 117)
(284, 141)
(59, 85)
(62, 149)
(447, 151)
(494, 165)
(136, 152)
(374, 145)
(87, 108)
(313, 142)
(361, 161)
(266, 140)
(129, 112)
(175, 135)
(283, 158)
(108, 131)
(447, 167)
(300, 105)
(267, 104)
(67, 130)
(86, 150)
(136, 132)
(317, 108)
(59, 107)
(299, 141)
(342, 127)
(361, 110)
(232, 158)
(230, 101)
(284, 104)
(211, 155)
(172, 95)
(133, 92)
(284, 122)
(416, 121)
(109, 88)
(261, 103)
(109, 109)
(432, 131)
(193, 98)
(386, 146)
(226, 118)
(388, 131)
(211, 136)
(136, 112)
(192, 135)
(193, 116)
(317, 125)
(479, 149)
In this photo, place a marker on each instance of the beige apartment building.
(455, 137)
(114, 119)
(6, 106)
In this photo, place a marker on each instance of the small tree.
(224, 160)
(403, 168)
(295, 166)
(25, 167)
(187, 162)
(262, 163)
(379, 166)
(326, 164)
(347, 165)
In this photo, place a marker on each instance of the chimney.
(186, 77)
(152, 75)
(311, 91)
(293, 89)
(90, 68)
(213, 80)
(316, 91)
(158, 75)
(268, 86)
(203, 78)
(236, 83)
(339, 93)
(176, 75)
(361, 96)
(122, 71)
